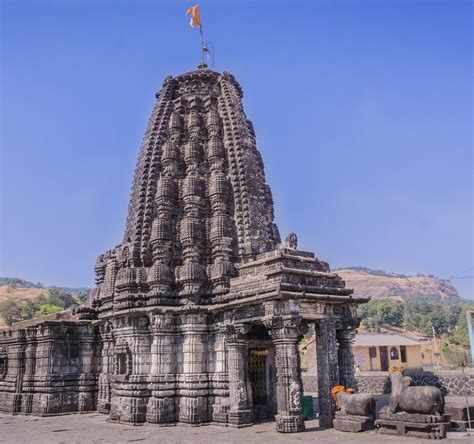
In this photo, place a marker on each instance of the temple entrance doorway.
(261, 378)
(262, 374)
(258, 376)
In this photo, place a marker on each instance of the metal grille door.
(258, 376)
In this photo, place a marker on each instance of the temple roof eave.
(249, 301)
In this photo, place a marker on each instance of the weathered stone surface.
(356, 412)
(421, 430)
(458, 412)
(416, 411)
(91, 427)
(424, 400)
(353, 424)
(356, 404)
(199, 281)
(411, 417)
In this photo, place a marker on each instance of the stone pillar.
(328, 371)
(30, 368)
(194, 386)
(87, 397)
(240, 397)
(345, 357)
(106, 367)
(218, 377)
(130, 392)
(285, 332)
(16, 370)
(45, 400)
(162, 403)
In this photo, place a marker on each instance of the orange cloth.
(195, 17)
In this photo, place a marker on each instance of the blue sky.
(362, 109)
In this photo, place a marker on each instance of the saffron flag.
(195, 18)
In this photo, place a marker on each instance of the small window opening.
(3, 365)
(394, 353)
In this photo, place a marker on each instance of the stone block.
(240, 418)
(353, 423)
(459, 416)
(421, 430)
(348, 425)
(289, 424)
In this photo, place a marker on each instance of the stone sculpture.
(291, 241)
(295, 396)
(356, 412)
(199, 280)
(426, 400)
(416, 411)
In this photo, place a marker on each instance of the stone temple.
(198, 311)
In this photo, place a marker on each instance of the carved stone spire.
(199, 202)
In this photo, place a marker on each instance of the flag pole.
(202, 44)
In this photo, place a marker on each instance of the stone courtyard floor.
(93, 428)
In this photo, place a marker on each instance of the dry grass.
(19, 293)
(397, 288)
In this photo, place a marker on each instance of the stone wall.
(49, 368)
(450, 382)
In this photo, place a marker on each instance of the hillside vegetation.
(21, 300)
(379, 284)
(412, 304)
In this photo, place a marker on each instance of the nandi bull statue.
(355, 412)
(427, 400)
(415, 411)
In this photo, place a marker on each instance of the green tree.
(30, 307)
(389, 313)
(82, 296)
(60, 298)
(15, 283)
(46, 309)
(10, 311)
(376, 314)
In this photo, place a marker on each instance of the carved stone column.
(194, 386)
(328, 371)
(30, 368)
(285, 333)
(106, 368)
(43, 398)
(130, 392)
(218, 376)
(162, 403)
(345, 357)
(240, 411)
(87, 350)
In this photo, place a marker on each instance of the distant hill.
(22, 290)
(17, 282)
(379, 284)
(21, 293)
(376, 284)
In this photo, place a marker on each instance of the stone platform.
(353, 423)
(458, 413)
(412, 424)
(93, 428)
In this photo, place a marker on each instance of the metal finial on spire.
(206, 52)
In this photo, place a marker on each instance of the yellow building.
(380, 351)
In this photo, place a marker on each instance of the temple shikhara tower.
(198, 311)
